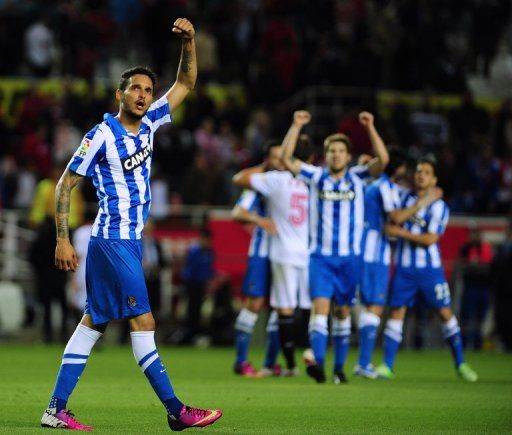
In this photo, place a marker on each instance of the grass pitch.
(115, 397)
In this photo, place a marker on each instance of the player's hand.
(366, 119)
(301, 117)
(65, 256)
(432, 196)
(364, 159)
(392, 230)
(267, 225)
(183, 28)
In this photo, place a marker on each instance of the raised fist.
(183, 28)
(301, 117)
(366, 118)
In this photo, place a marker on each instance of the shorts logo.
(131, 302)
(135, 160)
(82, 151)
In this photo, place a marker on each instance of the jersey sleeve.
(159, 113)
(264, 183)
(390, 197)
(91, 150)
(248, 199)
(362, 172)
(439, 218)
(308, 172)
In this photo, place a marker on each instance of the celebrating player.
(419, 269)
(381, 203)
(117, 154)
(287, 203)
(337, 218)
(252, 208)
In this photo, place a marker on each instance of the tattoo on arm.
(62, 201)
(186, 60)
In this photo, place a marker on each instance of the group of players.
(324, 232)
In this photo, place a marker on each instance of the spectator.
(40, 48)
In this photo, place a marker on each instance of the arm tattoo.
(62, 202)
(186, 60)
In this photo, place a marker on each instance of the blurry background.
(437, 74)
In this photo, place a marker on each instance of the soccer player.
(287, 204)
(251, 208)
(381, 204)
(419, 269)
(336, 228)
(117, 154)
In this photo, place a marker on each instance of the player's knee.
(145, 322)
(342, 312)
(445, 314)
(255, 304)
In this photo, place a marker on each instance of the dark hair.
(271, 143)
(397, 158)
(304, 149)
(338, 137)
(431, 160)
(125, 76)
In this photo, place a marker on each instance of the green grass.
(114, 397)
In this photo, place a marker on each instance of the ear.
(119, 95)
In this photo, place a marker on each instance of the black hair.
(431, 160)
(304, 150)
(397, 158)
(125, 76)
(271, 143)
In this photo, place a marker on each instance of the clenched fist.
(301, 117)
(184, 28)
(366, 118)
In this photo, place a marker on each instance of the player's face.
(337, 156)
(400, 172)
(274, 159)
(137, 97)
(424, 176)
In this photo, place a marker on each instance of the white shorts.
(289, 287)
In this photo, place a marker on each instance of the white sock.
(318, 323)
(394, 328)
(367, 318)
(245, 321)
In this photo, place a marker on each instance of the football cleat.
(266, 372)
(290, 373)
(313, 370)
(193, 417)
(62, 420)
(245, 369)
(467, 373)
(384, 372)
(367, 372)
(339, 377)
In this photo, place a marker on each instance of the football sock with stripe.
(341, 341)
(75, 357)
(392, 340)
(318, 334)
(146, 355)
(287, 338)
(368, 325)
(272, 349)
(451, 333)
(244, 326)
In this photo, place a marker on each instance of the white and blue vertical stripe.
(432, 219)
(119, 163)
(336, 210)
(381, 197)
(260, 239)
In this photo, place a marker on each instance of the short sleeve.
(248, 199)
(362, 172)
(307, 172)
(89, 153)
(438, 218)
(264, 183)
(390, 197)
(159, 113)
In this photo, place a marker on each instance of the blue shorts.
(431, 283)
(374, 284)
(257, 278)
(334, 278)
(115, 280)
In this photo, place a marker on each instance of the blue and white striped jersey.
(432, 219)
(119, 163)
(260, 240)
(336, 210)
(381, 197)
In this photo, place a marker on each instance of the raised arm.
(401, 215)
(187, 69)
(300, 119)
(243, 178)
(65, 254)
(376, 165)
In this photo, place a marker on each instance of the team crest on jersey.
(86, 144)
(331, 195)
(418, 221)
(135, 160)
(132, 302)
